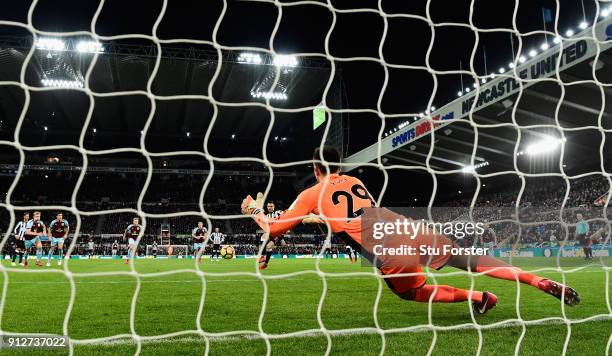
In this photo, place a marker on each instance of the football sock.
(50, 255)
(14, 256)
(445, 294)
(268, 256)
(38, 254)
(493, 267)
(20, 257)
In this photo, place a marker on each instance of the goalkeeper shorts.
(402, 283)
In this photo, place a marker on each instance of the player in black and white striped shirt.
(216, 239)
(19, 231)
(272, 213)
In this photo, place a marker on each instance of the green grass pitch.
(169, 303)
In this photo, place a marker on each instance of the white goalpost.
(585, 45)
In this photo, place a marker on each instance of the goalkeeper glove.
(252, 206)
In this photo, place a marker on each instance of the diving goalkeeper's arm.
(297, 213)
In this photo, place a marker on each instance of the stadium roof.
(57, 116)
(499, 108)
(370, 46)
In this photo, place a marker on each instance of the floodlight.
(285, 60)
(51, 44)
(62, 83)
(547, 144)
(473, 168)
(249, 58)
(89, 47)
(268, 95)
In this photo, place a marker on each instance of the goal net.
(520, 145)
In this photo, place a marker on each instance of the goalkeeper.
(336, 195)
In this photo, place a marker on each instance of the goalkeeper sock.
(445, 294)
(495, 268)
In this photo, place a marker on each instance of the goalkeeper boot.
(262, 259)
(263, 265)
(558, 290)
(489, 301)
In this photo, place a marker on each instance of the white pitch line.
(253, 335)
(227, 280)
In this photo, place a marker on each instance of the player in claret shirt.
(59, 232)
(35, 229)
(133, 233)
(199, 238)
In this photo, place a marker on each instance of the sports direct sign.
(419, 130)
(544, 65)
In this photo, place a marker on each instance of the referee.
(582, 229)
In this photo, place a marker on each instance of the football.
(227, 252)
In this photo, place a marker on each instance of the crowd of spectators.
(537, 220)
